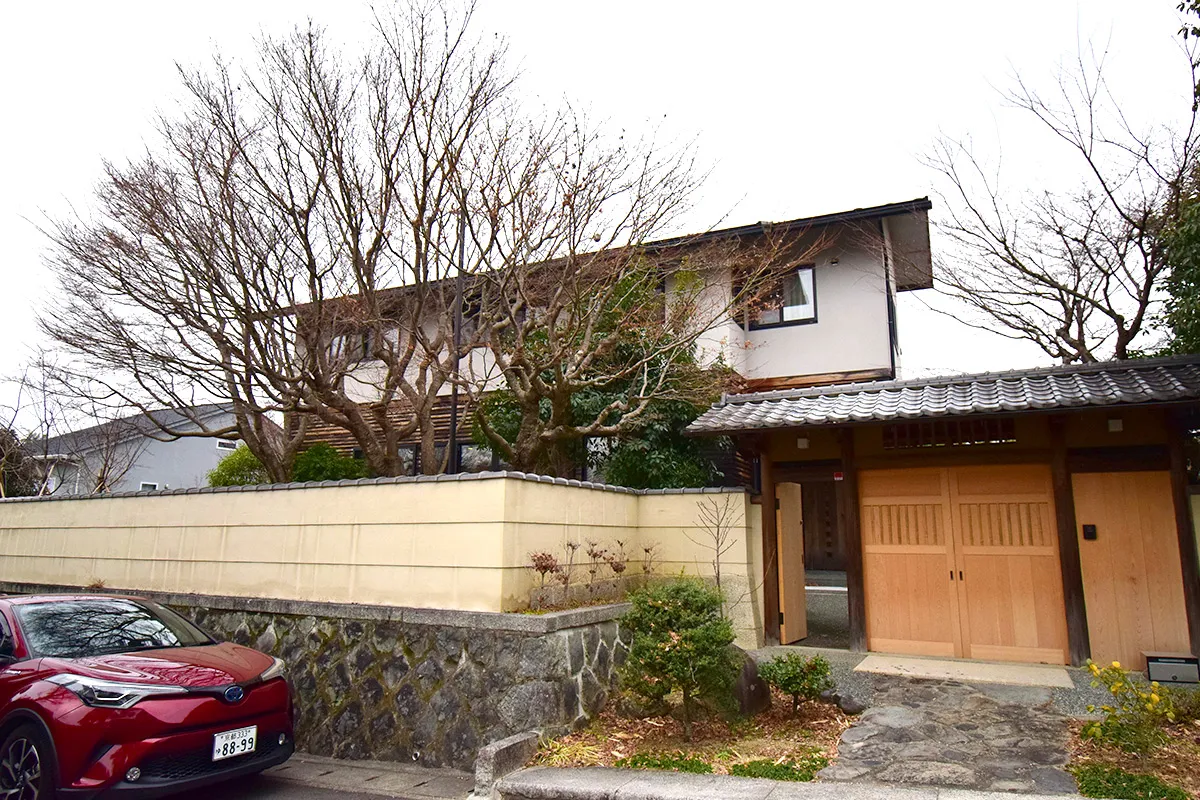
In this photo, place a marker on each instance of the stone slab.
(967, 671)
(501, 758)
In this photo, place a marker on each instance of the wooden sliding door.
(962, 561)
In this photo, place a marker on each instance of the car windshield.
(97, 626)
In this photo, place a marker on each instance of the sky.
(800, 108)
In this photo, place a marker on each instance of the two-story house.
(831, 320)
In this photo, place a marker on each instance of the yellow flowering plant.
(1139, 711)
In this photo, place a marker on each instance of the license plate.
(234, 743)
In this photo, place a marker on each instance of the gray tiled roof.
(1110, 383)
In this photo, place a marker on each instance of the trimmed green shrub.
(679, 642)
(1099, 781)
(239, 468)
(676, 762)
(322, 463)
(798, 676)
(804, 770)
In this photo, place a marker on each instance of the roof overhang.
(1112, 384)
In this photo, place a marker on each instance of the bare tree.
(18, 475)
(308, 229)
(578, 305)
(717, 519)
(1078, 272)
(253, 257)
(70, 442)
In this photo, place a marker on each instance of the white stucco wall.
(851, 331)
(456, 543)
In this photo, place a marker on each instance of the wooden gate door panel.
(963, 561)
(1131, 570)
(1006, 547)
(907, 553)
(792, 594)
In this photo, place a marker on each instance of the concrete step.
(603, 783)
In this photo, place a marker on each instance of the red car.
(104, 696)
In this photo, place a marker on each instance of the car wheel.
(26, 765)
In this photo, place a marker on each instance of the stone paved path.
(942, 733)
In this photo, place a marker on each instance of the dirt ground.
(1177, 762)
(774, 735)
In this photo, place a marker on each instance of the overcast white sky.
(802, 107)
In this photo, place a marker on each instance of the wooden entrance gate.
(963, 561)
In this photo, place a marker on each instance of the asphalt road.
(268, 788)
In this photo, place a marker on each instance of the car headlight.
(110, 694)
(274, 671)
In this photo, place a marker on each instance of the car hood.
(196, 667)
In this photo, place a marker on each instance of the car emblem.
(234, 694)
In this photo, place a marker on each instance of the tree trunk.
(431, 464)
(687, 715)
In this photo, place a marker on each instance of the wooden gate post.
(770, 547)
(1189, 560)
(847, 493)
(1079, 648)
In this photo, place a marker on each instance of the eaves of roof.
(1101, 385)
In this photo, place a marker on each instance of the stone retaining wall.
(409, 684)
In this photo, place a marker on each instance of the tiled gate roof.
(1109, 383)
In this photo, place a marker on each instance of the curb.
(606, 783)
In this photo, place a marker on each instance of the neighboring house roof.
(1105, 384)
(80, 442)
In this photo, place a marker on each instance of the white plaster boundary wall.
(449, 542)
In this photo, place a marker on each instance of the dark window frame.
(788, 323)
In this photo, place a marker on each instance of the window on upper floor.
(793, 301)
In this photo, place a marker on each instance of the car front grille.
(198, 763)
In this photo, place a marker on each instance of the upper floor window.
(793, 301)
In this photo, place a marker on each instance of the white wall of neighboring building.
(851, 331)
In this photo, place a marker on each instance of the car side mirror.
(7, 649)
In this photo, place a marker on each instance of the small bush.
(676, 762)
(804, 770)
(1186, 703)
(322, 463)
(798, 676)
(679, 641)
(1138, 715)
(1099, 781)
(239, 468)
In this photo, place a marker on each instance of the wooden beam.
(847, 493)
(1188, 558)
(1079, 646)
(1138, 458)
(770, 548)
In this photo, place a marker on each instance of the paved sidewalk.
(602, 783)
(374, 777)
